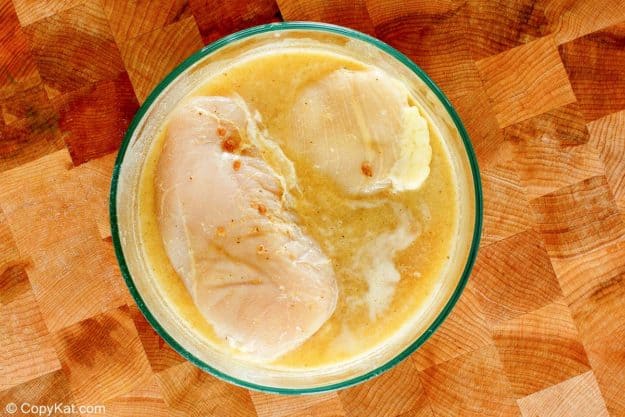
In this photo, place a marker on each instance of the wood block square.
(218, 19)
(160, 355)
(18, 70)
(472, 385)
(146, 400)
(190, 391)
(130, 19)
(571, 19)
(47, 213)
(94, 118)
(465, 330)
(383, 396)
(9, 255)
(148, 62)
(607, 357)
(102, 357)
(540, 348)
(499, 25)
(353, 14)
(328, 408)
(30, 11)
(596, 67)
(13, 283)
(593, 284)
(478, 118)
(28, 139)
(74, 48)
(546, 165)
(607, 135)
(514, 276)
(503, 217)
(565, 124)
(95, 179)
(271, 405)
(27, 103)
(578, 218)
(417, 28)
(525, 81)
(578, 396)
(26, 351)
(47, 389)
(28, 127)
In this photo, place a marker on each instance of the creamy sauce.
(344, 227)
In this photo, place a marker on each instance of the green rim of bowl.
(285, 26)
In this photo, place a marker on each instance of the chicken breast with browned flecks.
(263, 285)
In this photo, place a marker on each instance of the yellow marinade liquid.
(270, 83)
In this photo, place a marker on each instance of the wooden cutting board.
(540, 86)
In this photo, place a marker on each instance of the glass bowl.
(138, 274)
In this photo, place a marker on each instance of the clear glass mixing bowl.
(124, 210)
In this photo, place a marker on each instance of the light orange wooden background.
(540, 85)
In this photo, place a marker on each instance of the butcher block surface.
(540, 86)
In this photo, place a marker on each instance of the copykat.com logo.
(53, 409)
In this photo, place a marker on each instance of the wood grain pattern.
(218, 19)
(464, 331)
(565, 124)
(144, 401)
(93, 119)
(95, 180)
(579, 218)
(269, 405)
(506, 291)
(546, 165)
(46, 389)
(160, 355)
(499, 25)
(595, 67)
(30, 11)
(593, 284)
(190, 391)
(41, 201)
(328, 408)
(106, 351)
(570, 19)
(607, 135)
(129, 19)
(471, 385)
(606, 354)
(29, 126)
(579, 395)
(526, 81)
(540, 349)
(540, 87)
(397, 392)
(26, 351)
(148, 62)
(19, 70)
(504, 217)
(478, 118)
(353, 14)
(74, 48)
(418, 28)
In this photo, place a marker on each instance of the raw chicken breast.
(261, 283)
(358, 128)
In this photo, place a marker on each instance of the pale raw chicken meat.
(359, 128)
(263, 285)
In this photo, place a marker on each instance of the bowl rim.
(288, 26)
